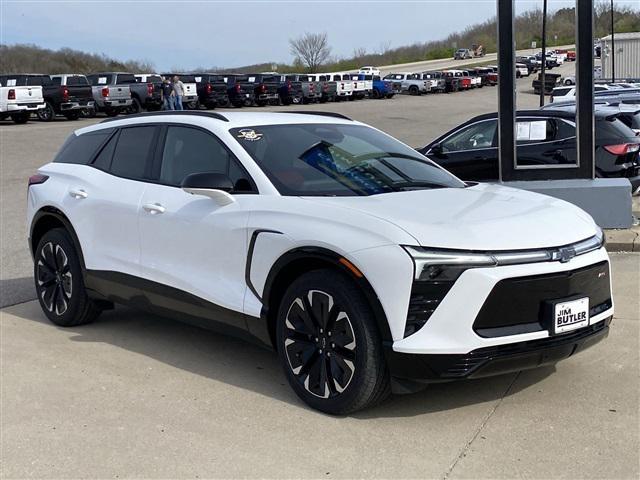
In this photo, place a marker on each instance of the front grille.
(518, 305)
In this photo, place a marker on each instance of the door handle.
(554, 153)
(78, 193)
(154, 208)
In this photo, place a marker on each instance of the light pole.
(544, 51)
(613, 49)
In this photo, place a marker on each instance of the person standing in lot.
(178, 90)
(167, 95)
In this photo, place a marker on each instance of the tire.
(59, 283)
(261, 103)
(111, 112)
(89, 112)
(136, 107)
(413, 90)
(568, 82)
(345, 339)
(20, 118)
(375, 93)
(74, 115)
(47, 113)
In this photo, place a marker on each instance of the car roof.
(227, 120)
(561, 112)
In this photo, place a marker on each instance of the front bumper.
(457, 325)
(498, 360)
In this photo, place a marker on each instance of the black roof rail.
(322, 114)
(217, 116)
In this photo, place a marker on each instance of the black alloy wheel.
(59, 283)
(47, 113)
(54, 278)
(320, 344)
(329, 344)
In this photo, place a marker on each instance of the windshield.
(338, 160)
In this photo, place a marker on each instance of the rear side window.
(132, 152)
(77, 80)
(81, 148)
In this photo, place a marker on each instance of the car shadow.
(247, 366)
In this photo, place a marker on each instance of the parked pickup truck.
(240, 91)
(265, 88)
(65, 94)
(18, 102)
(464, 80)
(487, 75)
(110, 95)
(521, 70)
(532, 63)
(367, 78)
(476, 81)
(328, 87)
(190, 97)
(310, 89)
(359, 86)
(412, 86)
(146, 92)
(212, 89)
(344, 89)
(551, 81)
(383, 88)
(435, 80)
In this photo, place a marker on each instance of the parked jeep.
(66, 94)
(19, 101)
(110, 94)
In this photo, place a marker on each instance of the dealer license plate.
(571, 315)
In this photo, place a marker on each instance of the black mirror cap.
(209, 181)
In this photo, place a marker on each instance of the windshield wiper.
(417, 185)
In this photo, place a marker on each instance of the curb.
(623, 240)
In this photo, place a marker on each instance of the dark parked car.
(212, 89)
(146, 92)
(65, 94)
(544, 137)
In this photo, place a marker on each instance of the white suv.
(365, 265)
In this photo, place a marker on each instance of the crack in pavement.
(466, 447)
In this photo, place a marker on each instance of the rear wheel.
(413, 90)
(59, 283)
(47, 113)
(329, 345)
(135, 107)
(111, 112)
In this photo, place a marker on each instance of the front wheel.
(329, 344)
(20, 118)
(59, 283)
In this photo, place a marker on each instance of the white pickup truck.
(344, 88)
(359, 86)
(18, 102)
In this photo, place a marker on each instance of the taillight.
(288, 86)
(105, 91)
(65, 94)
(312, 87)
(12, 94)
(622, 149)
(37, 179)
(208, 88)
(325, 87)
(238, 88)
(150, 89)
(263, 88)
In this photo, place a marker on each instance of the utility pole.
(544, 51)
(613, 49)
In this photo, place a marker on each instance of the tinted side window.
(103, 160)
(82, 148)
(189, 150)
(477, 136)
(132, 152)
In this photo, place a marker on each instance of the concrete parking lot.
(134, 395)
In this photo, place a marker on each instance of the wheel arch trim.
(55, 213)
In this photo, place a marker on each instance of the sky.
(183, 35)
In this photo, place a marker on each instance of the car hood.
(481, 217)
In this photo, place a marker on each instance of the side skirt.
(169, 302)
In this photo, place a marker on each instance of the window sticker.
(102, 80)
(249, 135)
(11, 82)
(198, 79)
(532, 131)
(523, 130)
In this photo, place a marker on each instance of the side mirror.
(436, 149)
(216, 186)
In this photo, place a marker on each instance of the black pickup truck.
(265, 88)
(289, 91)
(310, 88)
(146, 91)
(212, 89)
(551, 81)
(240, 90)
(64, 94)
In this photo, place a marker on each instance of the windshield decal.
(249, 134)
